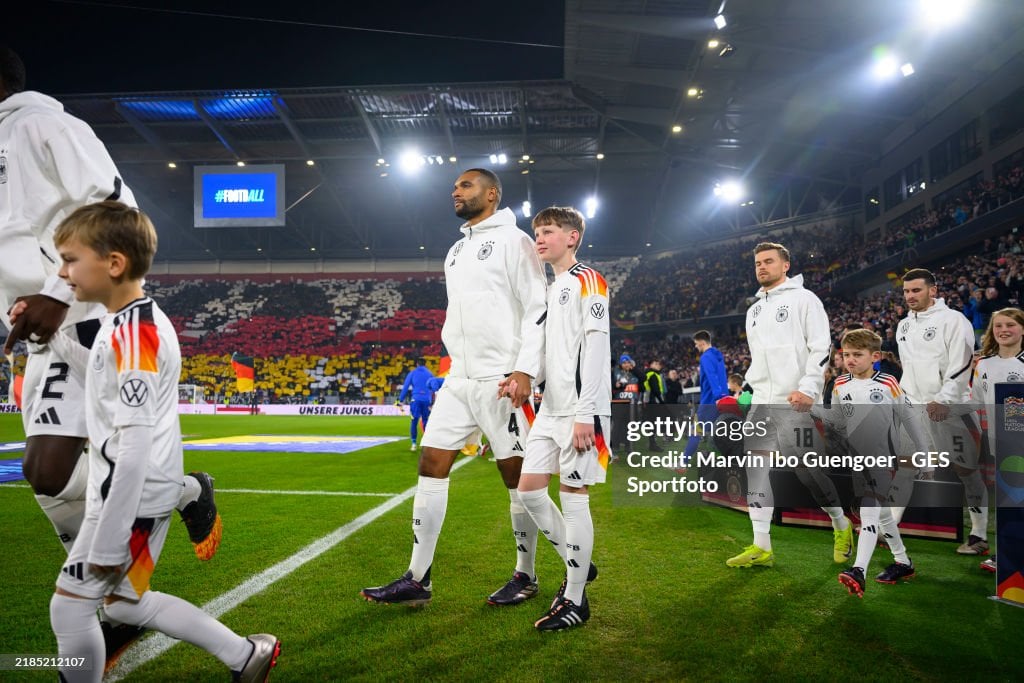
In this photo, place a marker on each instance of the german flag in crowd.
(245, 371)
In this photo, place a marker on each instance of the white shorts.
(53, 396)
(147, 541)
(462, 406)
(788, 431)
(960, 436)
(549, 450)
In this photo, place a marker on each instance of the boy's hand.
(519, 388)
(507, 387)
(38, 317)
(937, 412)
(583, 438)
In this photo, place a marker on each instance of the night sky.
(111, 47)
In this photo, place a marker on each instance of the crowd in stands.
(352, 339)
(717, 279)
(324, 339)
(978, 283)
(976, 200)
(696, 284)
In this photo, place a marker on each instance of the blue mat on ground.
(289, 444)
(10, 470)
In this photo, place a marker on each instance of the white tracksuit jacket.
(789, 339)
(496, 301)
(50, 164)
(936, 351)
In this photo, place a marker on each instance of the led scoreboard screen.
(239, 196)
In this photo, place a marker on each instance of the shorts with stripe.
(53, 397)
(464, 405)
(146, 542)
(549, 450)
(958, 435)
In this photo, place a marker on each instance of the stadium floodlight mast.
(591, 206)
(527, 209)
(720, 22)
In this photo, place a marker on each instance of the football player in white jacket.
(790, 342)
(493, 330)
(936, 345)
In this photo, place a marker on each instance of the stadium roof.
(789, 108)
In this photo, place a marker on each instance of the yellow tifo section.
(306, 375)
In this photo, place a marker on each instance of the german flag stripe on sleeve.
(591, 281)
(135, 340)
(889, 381)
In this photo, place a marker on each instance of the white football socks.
(428, 510)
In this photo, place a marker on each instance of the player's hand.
(397, 402)
(519, 388)
(937, 412)
(800, 402)
(583, 438)
(36, 321)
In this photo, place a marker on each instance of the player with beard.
(789, 338)
(936, 346)
(493, 330)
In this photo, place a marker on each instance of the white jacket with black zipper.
(496, 286)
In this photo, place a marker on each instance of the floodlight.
(729, 191)
(411, 161)
(940, 13)
(885, 67)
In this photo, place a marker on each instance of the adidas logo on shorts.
(49, 417)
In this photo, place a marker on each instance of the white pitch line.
(263, 492)
(155, 645)
(307, 493)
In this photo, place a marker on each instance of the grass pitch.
(665, 607)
